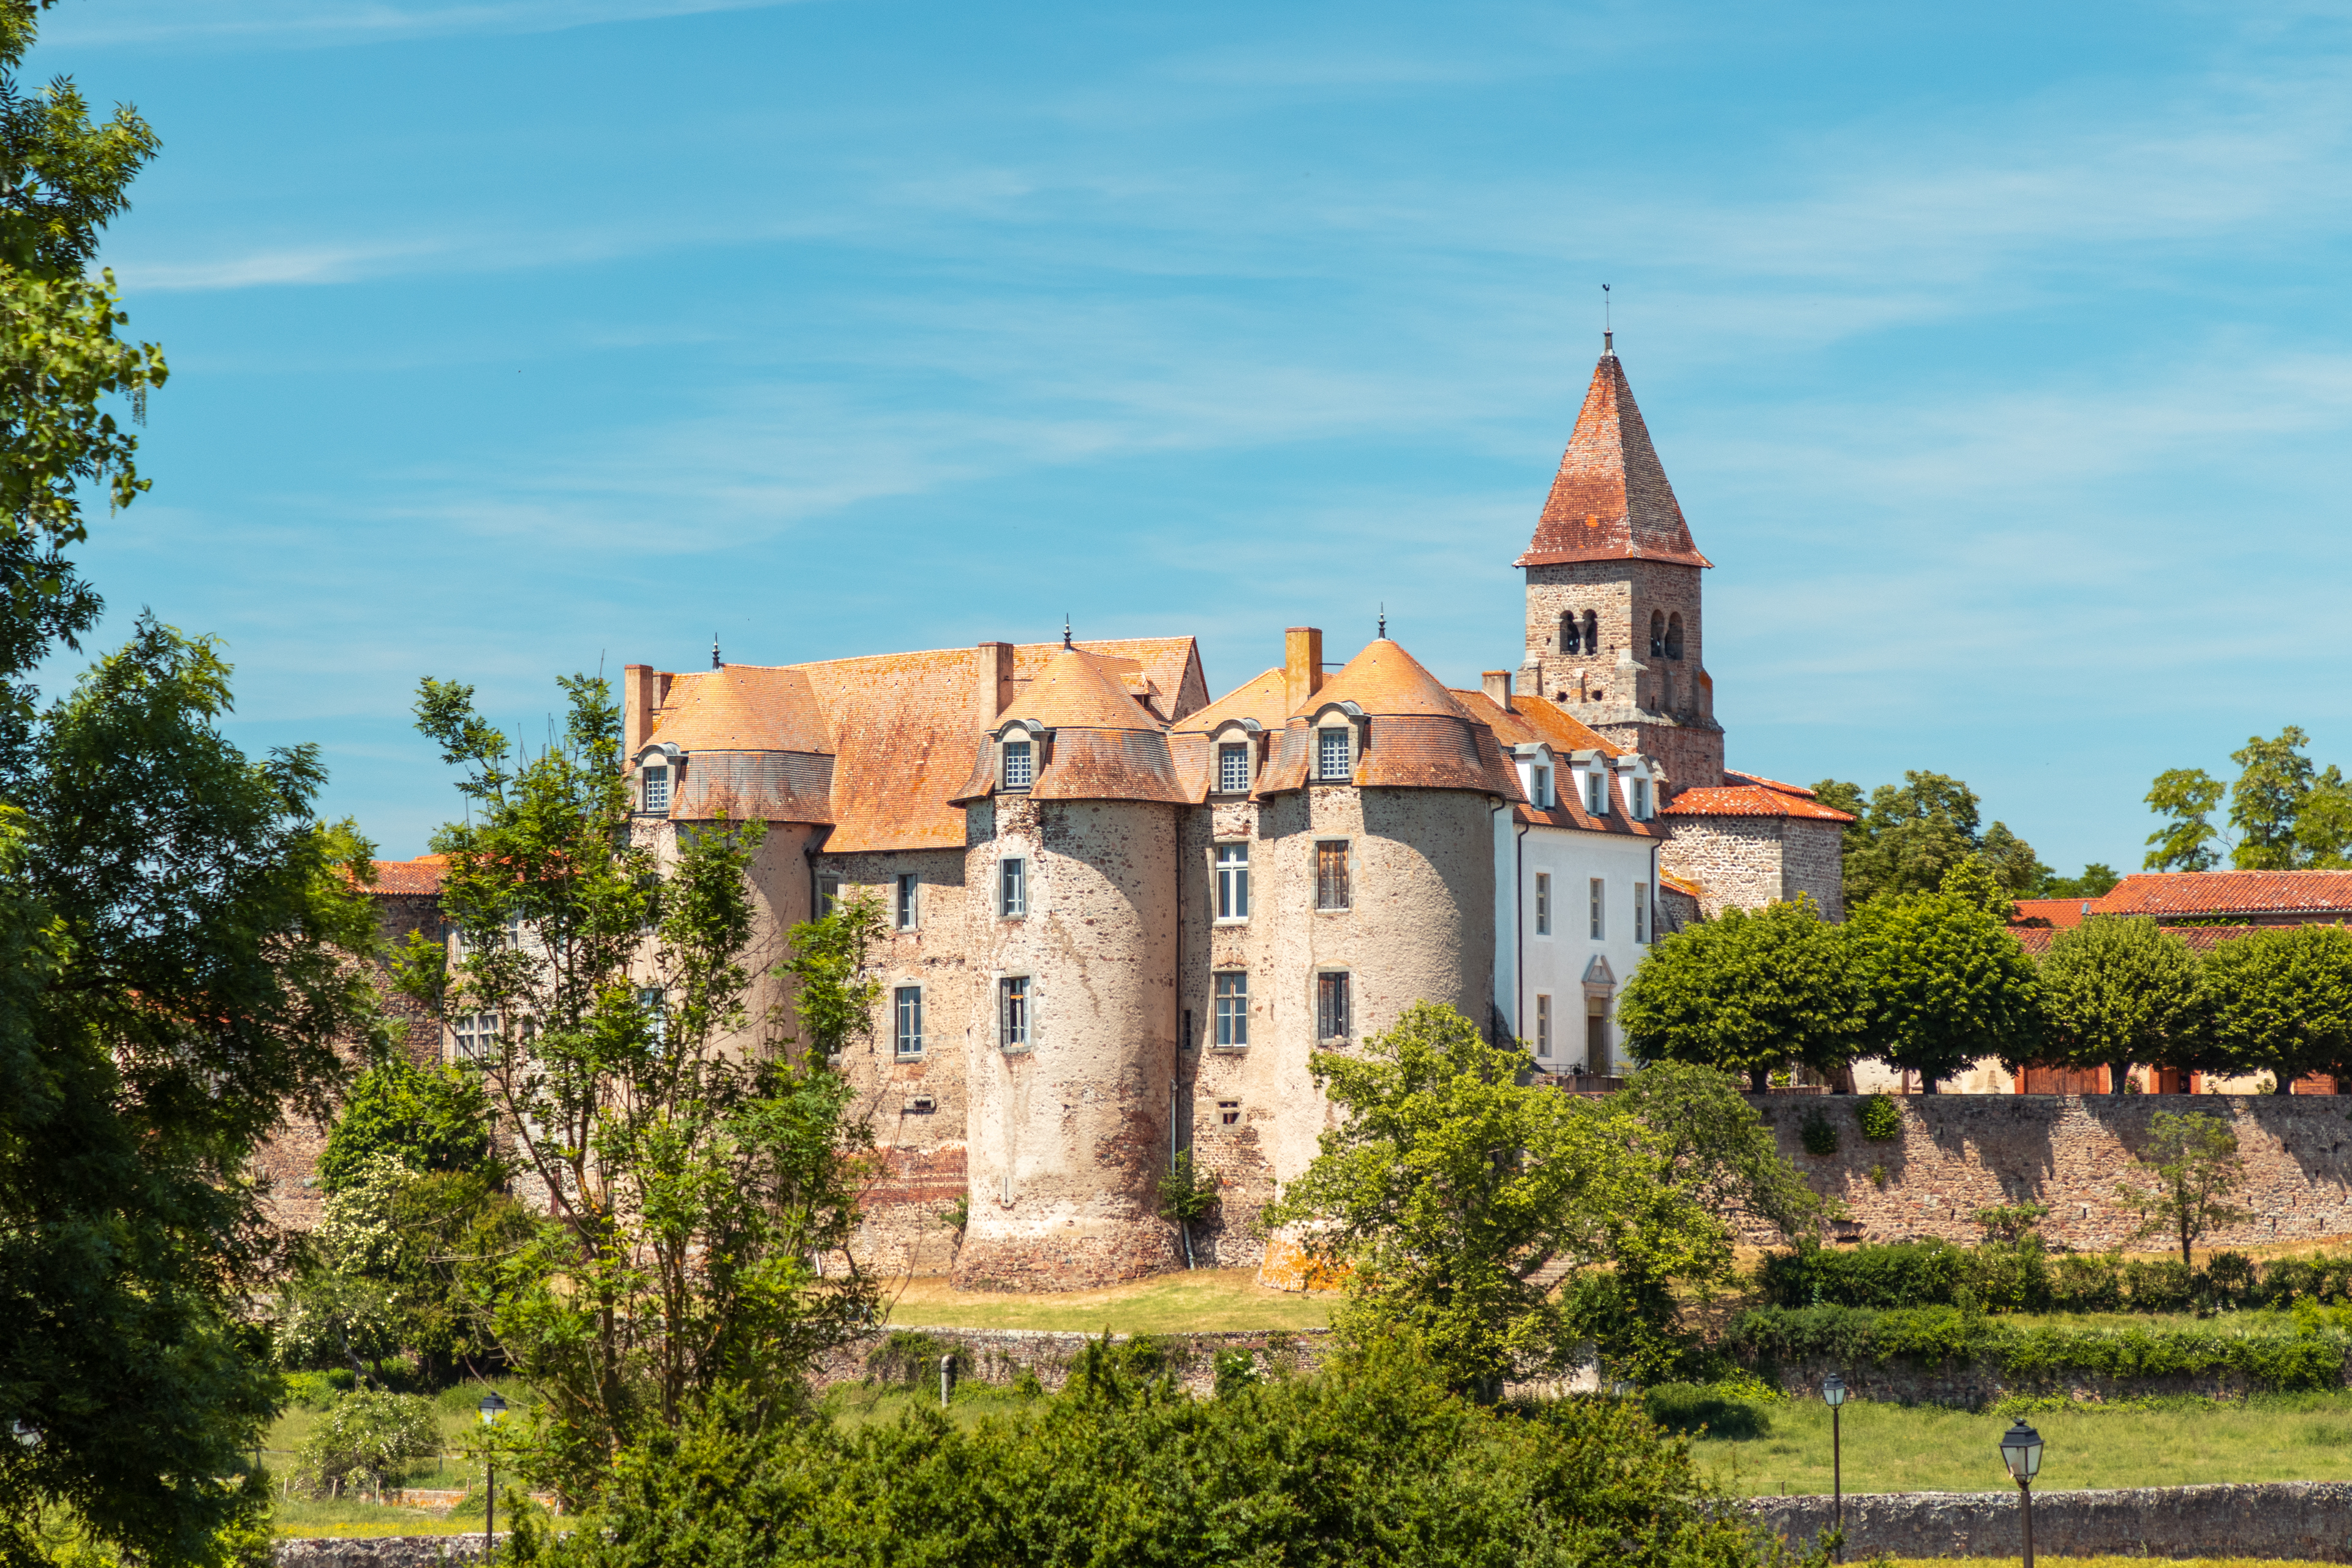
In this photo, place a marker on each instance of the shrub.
(362, 1440)
(1701, 1408)
(2010, 1276)
(1235, 1370)
(1892, 1274)
(1819, 1133)
(910, 1356)
(1882, 1119)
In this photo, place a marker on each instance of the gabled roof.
(1752, 800)
(1263, 697)
(1534, 719)
(2194, 893)
(1611, 499)
(395, 879)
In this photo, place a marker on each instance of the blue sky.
(2001, 355)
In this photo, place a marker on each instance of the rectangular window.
(1229, 1112)
(1543, 789)
(1017, 769)
(656, 1006)
(1543, 903)
(1331, 754)
(1012, 1012)
(1331, 1007)
(478, 1037)
(1641, 799)
(828, 895)
(656, 788)
(1600, 909)
(1233, 768)
(906, 910)
(1013, 889)
(1233, 882)
(1543, 1026)
(1331, 875)
(1596, 792)
(910, 1030)
(1232, 1009)
(1641, 913)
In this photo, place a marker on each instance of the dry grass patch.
(1201, 1300)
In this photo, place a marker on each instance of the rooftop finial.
(715, 662)
(1607, 337)
(1384, 620)
(1066, 631)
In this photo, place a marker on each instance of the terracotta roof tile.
(1419, 737)
(1611, 499)
(2036, 940)
(1531, 719)
(1262, 698)
(1384, 681)
(742, 708)
(1172, 665)
(2056, 914)
(1751, 800)
(1076, 686)
(2193, 893)
(1683, 885)
(1732, 777)
(423, 875)
(905, 727)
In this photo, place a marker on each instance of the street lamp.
(1834, 1395)
(491, 1407)
(2021, 1450)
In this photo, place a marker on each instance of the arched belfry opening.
(1657, 633)
(1675, 635)
(1571, 634)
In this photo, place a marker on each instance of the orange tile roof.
(2193, 893)
(1734, 777)
(2036, 940)
(423, 875)
(1682, 885)
(1171, 664)
(1074, 688)
(1751, 800)
(2057, 914)
(905, 727)
(1534, 719)
(1611, 501)
(1385, 681)
(1262, 697)
(742, 708)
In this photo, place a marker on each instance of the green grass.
(455, 1409)
(1196, 1301)
(856, 1406)
(1898, 1448)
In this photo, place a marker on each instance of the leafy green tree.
(1369, 1461)
(428, 1119)
(365, 1440)
(695, 1170)
(1746, 992)
(2195, 1163)
(2188, 841)
(1186, 1193)
(2097, 881)
(1943, 981)
(2273, 777)
(2323, 823)
(2281, 1000)
(2116, 990)
(1904, 839)
(1449, 1186)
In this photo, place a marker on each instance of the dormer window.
(1233, 768)
(1596, 791)
(654, 780)
(1542, 790)
(1641, 788)
(1332, 757)
(1020, 769)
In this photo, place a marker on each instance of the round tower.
(1072, 872)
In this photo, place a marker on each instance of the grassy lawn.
(1896, 1449)
(2097, 1562)
(1196, 1301)
(455, 1410)
(856, 1406)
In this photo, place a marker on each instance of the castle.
(1120, 915)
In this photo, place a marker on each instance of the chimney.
(1499, 687)
(1302, 665)
(993, 694)
(637, 706)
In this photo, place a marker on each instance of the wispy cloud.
(308, 23)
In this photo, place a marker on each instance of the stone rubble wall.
(1962, 1152)
(378, 1551)
(2307, 1521)
(1001, 1355)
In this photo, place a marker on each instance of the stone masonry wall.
(1812, 860)
(1962, 1152)
(2302, 1520)
(1660, 707)
(1739, 861)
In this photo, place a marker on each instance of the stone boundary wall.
(1001, 1355)
(377, 1551)
(2311, 1521)
(1962, 1152)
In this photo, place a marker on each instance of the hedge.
(2022, 1276)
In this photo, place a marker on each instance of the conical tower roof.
(1611, 501)
(1073, 690)
(1386, 682)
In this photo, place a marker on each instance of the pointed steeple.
(1611, 501)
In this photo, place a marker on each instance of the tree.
(696, 1170)
(2194, 1160)
(427, 1120)
(1904, 839)
(2117, 990)
(2273, 777)
(2323, 823)
(2281, 999)
(1943, 981)
(1449, 1186)
(1745, 992)
(2187, 795)
(2097, 881)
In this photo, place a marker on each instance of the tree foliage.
(2280, 999)
(428, 1119)
(2285, 812)
(696, 1171)
(2187, 840)
(1944, 981)
(1746, 992)
(2117, 990)
(1904, 838)
(2195, 1165)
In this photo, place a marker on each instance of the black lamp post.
(1834, 1395)
(491, 1407)
(2021, 1450)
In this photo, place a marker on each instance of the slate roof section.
(1611, 501)
(2191, 894)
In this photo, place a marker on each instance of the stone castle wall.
(1962, 1152)
(1739, 861)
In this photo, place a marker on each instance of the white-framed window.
(1232, 1010)
(1596, 791)
(657, 1006)
(1331, 889)
(1232, 882)
(1331, 1005)
(1600, 909)
(1020, 767)
(478, 1037)
(654, 780)
(903, 910)
(1641, 788)
(1542, 790)
(1233, 767)
(909, 1020)
(1543, 903)
(1331, 755)
(1543, 1026)
(1012, 888)
(1641, 913)
(1013, 1008)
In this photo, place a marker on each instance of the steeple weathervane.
(1607, 337)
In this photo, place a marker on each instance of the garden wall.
(1002, 1356)
(1962, 1152)
(2310, 1521)
(377, 1552)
